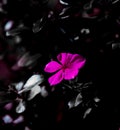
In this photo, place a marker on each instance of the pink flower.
(67, 68)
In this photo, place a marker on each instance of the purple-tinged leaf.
(18, 120)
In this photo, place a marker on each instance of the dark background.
(57, 35)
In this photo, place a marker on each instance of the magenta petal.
(70, 73)
(52, 67)
(76, 57)
(56, 78)
(62, 57)
(77, 61)
(78, 65)
(81, 64)
(65, 58)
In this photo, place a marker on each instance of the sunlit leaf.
(96, 99)
(115, 46)
(6, 97)
(27, 59)
(62, 2)
(71, 103)
(19, 86)
(8, 25)
(21, 107)
(34, 80)
(27, 128)
(39, 24)
(115, 1)
(44, 92)
(87, 112)
(78, 99)
(34, 91)
(85, 31)
(75, 101)
(16, 31)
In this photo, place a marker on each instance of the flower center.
(65, 66)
